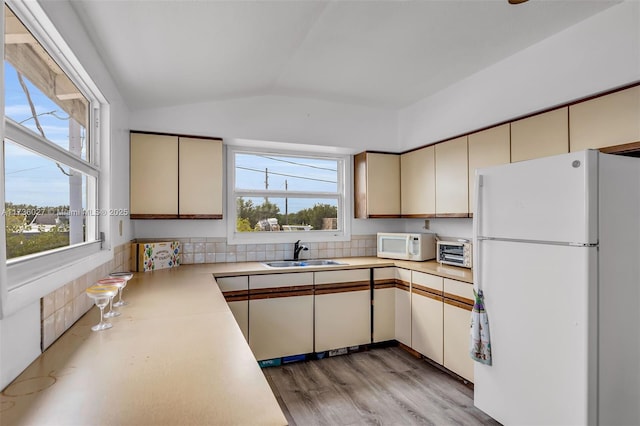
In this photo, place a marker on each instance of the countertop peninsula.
(175, 356)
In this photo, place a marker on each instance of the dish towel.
(480, 342)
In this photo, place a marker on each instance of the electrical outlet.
(120, 227)
(426, 224)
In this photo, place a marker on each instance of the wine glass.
(118, 282)
(126, 276)
(101, 294)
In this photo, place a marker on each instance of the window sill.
(31, 279)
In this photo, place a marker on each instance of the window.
(51, 171)
(282, 196)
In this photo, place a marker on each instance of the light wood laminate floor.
(382, 386)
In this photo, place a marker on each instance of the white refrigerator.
(557, 255)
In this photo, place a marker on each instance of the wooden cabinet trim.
(384, 283)
(153, 216)
(458, 299)
(236, 295)
(144, 132)
(458, 304)
(276, 292)
(402, 285)
(331, 288)
(427, 292)
(621, 149)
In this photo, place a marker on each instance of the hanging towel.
(480, 342)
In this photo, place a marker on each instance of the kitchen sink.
(301, 263)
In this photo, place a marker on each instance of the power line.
(286, 174)
(23, 170)
(295, 163)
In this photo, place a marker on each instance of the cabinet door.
(487, 148)
(452, 194)
(200, 187)
(384, 304)
(608, 120)
(541, 135)
(456, 339)
(427, 315)
(403, 306)
(154, 176)
(418, 183)
(236, 292)
(342, 309)
(458, 303)
(376, 185)
(281, 315)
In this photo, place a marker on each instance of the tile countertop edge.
(175, 355)
(257, 268)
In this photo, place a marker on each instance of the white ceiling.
(382, 54)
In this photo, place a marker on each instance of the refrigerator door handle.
(477, 220)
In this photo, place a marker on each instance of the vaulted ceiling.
(381, 54)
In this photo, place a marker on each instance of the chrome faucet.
(297, 248)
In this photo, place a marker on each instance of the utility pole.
(266, 183)
(286, 202)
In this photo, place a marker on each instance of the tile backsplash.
(64, 306)
(216, 250)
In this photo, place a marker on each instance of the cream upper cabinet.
(154, 176)
(541, 135)
(175, 177)
(604, 121)
(487, 148)
(418, 183)
(200, 187)
(452, 194)
(377, 185)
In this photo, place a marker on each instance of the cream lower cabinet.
(384, 304)
(236, 292)
(427, 315)
(281, 314)
(342, 309)
(403, 306)
(458, 303)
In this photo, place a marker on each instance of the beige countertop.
(429, 267)
(175, 356)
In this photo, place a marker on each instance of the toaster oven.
(457, 253)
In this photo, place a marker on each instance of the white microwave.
(406, 246)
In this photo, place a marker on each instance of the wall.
(600, 53)
(20, 333)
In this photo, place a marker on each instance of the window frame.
(342, 194)
(25, 279)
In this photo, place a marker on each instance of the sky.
(30, 178)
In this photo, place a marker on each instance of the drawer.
(431, 282)
(458, 290)
(280, 280)
(233, 283)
